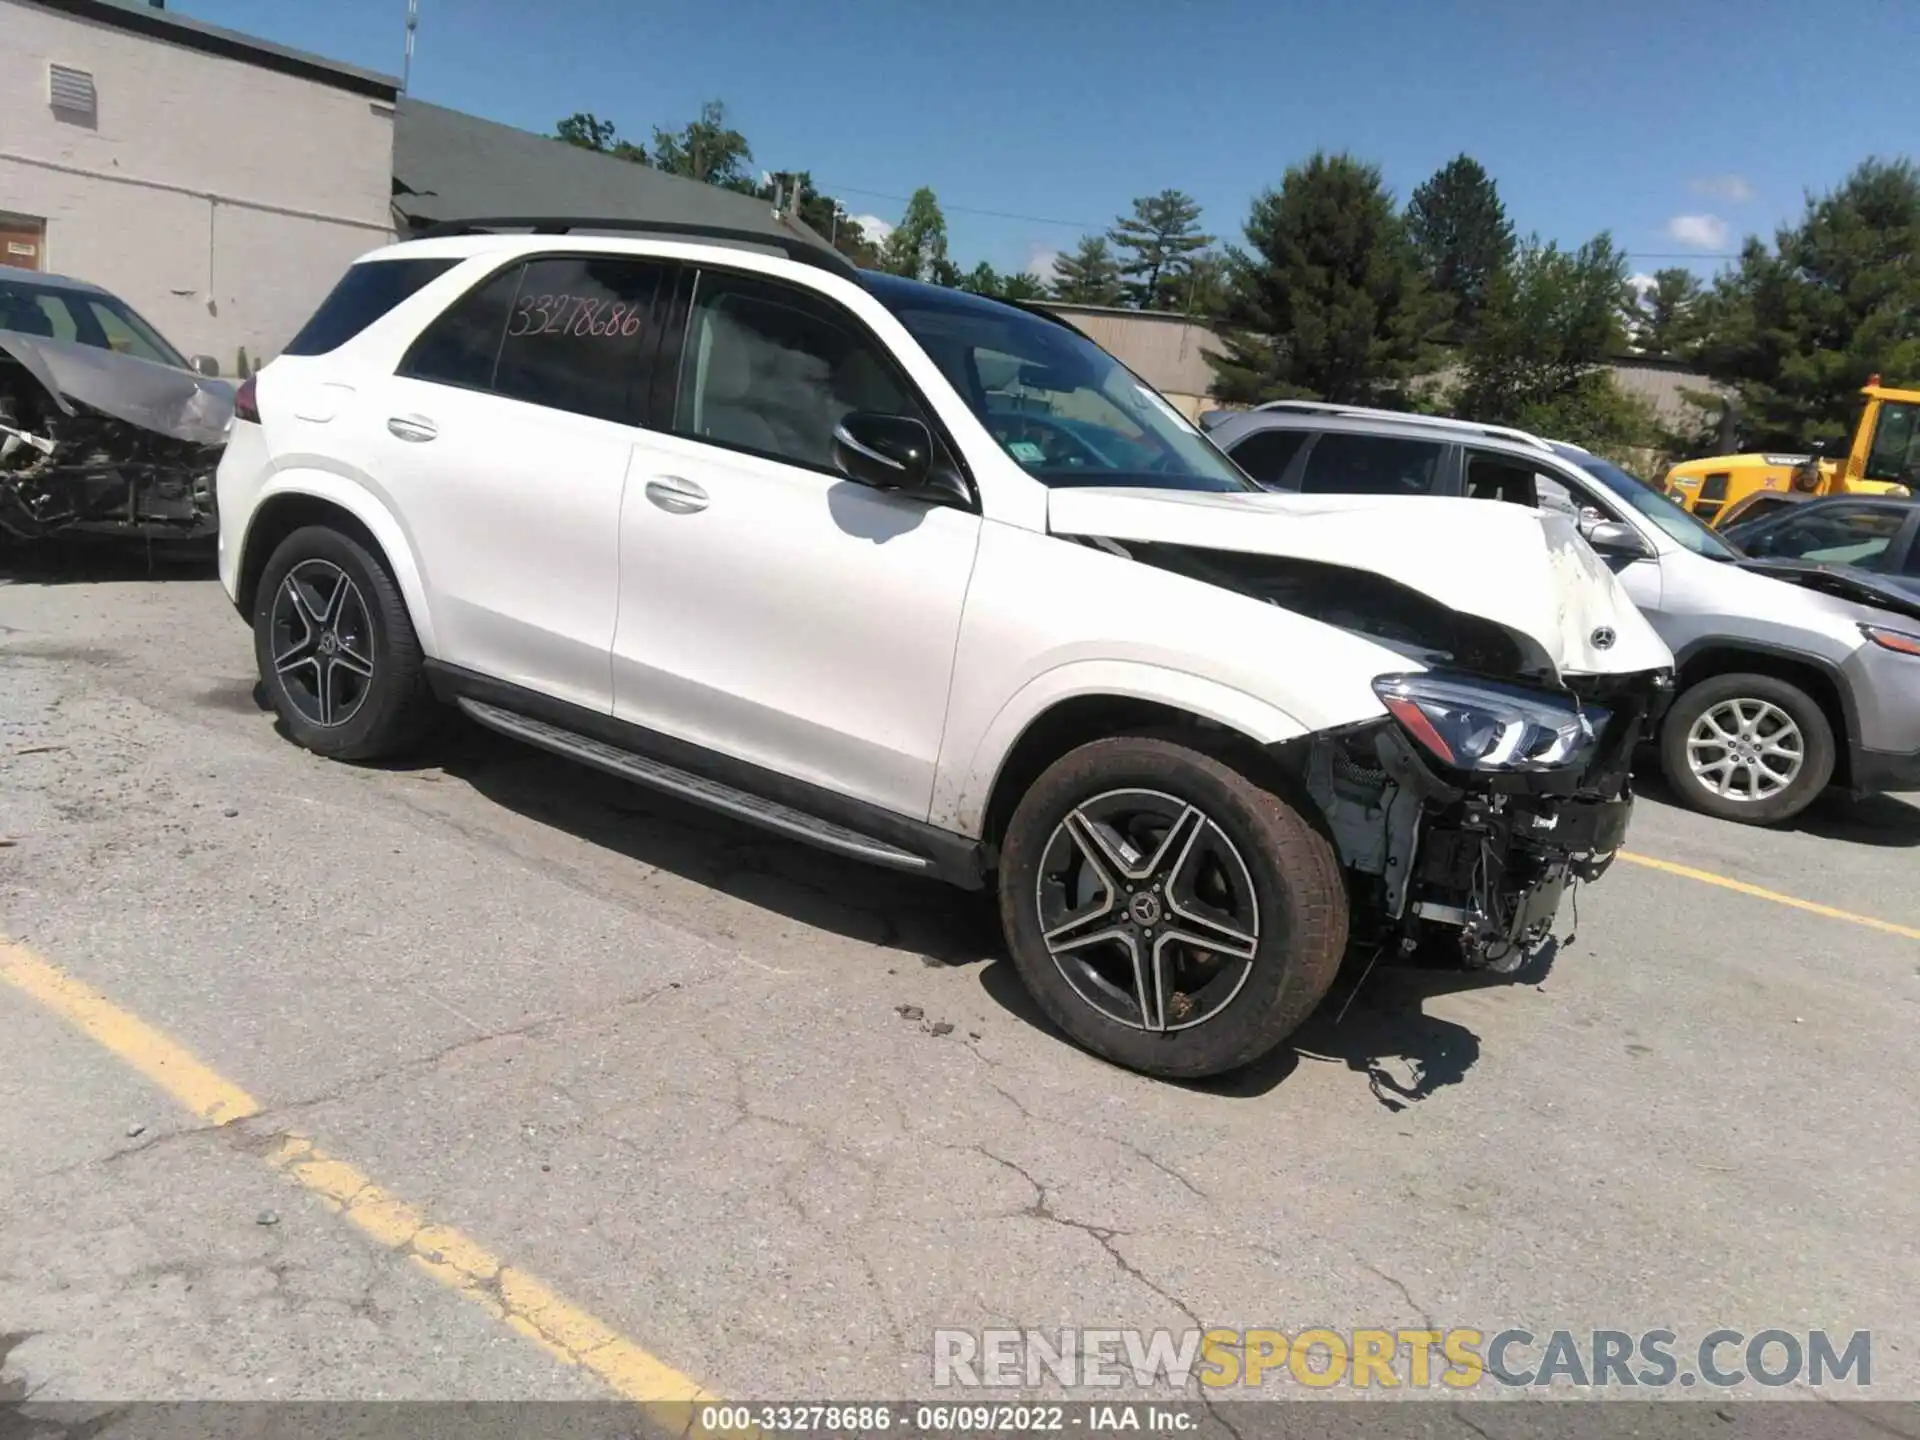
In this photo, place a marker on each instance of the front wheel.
(1750, 748)
(1165, 911)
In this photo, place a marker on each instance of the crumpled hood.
(161, 398)
(1526, 570)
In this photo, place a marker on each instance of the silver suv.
(1788, 681)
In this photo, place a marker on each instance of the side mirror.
(890, 452)
(205, 365)
(1615, 539)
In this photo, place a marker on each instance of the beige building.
(1169, 352)
(216, 182)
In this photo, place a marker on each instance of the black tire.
(1299, 929)
(392, 707)
(1747, 804)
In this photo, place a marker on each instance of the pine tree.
(1329, 300)
(1157, 240)
(1088, 274)
(1665, 318)
(1796, 330)
(1461, 230)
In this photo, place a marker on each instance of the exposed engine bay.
(96, 442)
(1474, 850)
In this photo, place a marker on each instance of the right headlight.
(1481, 725)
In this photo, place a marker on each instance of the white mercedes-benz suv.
(933, 581)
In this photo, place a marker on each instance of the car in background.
(1791, 675)
(105, 427)
(1869, 535)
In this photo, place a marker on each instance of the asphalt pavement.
(721, 1115)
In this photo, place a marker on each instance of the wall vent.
(71, 91)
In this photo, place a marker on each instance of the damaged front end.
(95, 442)
(1468, 810)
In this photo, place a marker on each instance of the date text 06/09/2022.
(914, 1418)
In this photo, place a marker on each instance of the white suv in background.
(933, 581)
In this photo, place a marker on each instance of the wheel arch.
(1055, 714)
(1821, 681)
(300, 498)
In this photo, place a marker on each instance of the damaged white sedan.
(105, 428)
(932, 581)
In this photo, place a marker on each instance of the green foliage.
(1329, 300)
(1551, 318)
(1157, 242)
(1200, 290)
(590, 132)
(1460, 227)
(917, 247)
(1088, 274)
(1665, 318)
(1796, 330)
(708, 150)
(1022, 286)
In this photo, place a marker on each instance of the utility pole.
(413, 24)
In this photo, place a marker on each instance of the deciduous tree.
(707, 149)
(1328, 300)
(1156, 242)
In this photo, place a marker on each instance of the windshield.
(1640, 496)
(1060, 406)
(83, 317)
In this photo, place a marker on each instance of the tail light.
(246, 403)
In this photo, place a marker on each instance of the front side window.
(1266, 454)
(1065, 410)
(567, 333)
(1896, 444)
(1676, 523)
(1341, 464)
(771, 369)
(1840, 535)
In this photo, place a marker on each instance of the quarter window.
(1370, 465)
(367, 291)
(770, 369)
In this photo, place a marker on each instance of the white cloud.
(1640, 284)
(1702, 232)
(1040, 260)
(1734, 189)
(873, 227)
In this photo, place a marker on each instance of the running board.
(697, 788)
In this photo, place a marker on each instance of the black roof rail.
(794, 245)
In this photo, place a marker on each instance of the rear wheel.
(336, 648)
(1745, 747)
(1166, 912)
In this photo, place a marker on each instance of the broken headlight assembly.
(1473, 724)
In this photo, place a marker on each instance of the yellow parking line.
(1707, 877)
(508, 1294)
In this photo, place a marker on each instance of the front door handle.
(676, 496)
(416, 428)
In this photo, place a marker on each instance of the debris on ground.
(909, 1012)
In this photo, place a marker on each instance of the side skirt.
(719, 782)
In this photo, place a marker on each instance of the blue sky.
(1680, 126)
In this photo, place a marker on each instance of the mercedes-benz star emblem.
(1603, 638)
(1144, 908)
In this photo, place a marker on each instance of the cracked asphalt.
(775, 1117)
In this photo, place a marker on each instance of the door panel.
(504, 441)
(769, 608)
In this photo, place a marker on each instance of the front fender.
(962, 787)
(381, 523)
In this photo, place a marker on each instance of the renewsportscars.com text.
(1364, 1359)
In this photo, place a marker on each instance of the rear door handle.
(676, 496)
(412, 427)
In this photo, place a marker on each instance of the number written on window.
(581, 316)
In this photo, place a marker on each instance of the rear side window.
(1370, 465)
(568, 333)
(1266, 454)
(366, 292)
